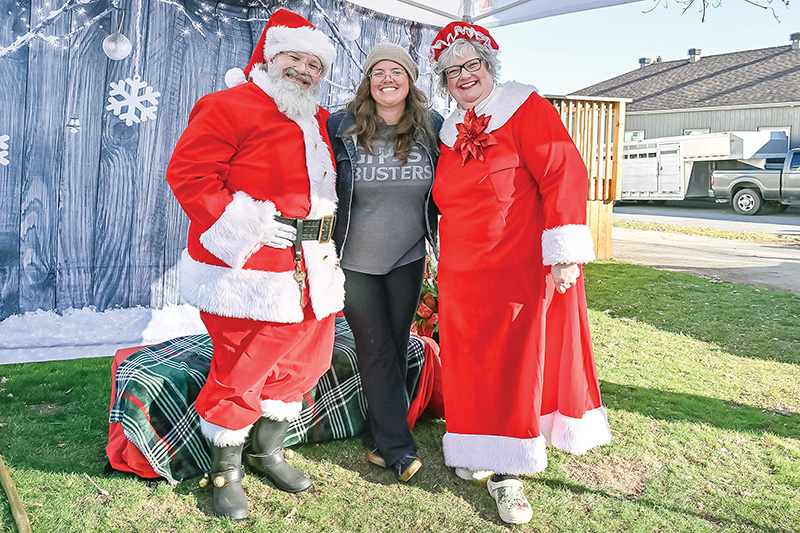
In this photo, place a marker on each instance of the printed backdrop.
(93, 97)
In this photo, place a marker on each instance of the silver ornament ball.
(350, 27)
(117, 46)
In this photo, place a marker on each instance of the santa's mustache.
(292, 73)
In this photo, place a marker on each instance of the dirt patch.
(46, 408)
(164, 509)
(625, 475)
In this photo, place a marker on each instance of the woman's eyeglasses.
(378, 76)
(470, 66)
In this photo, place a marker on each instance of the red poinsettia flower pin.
(472, 138)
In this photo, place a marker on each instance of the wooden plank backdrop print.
(86, 217)
(13, 86)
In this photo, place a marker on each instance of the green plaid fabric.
(157, 385)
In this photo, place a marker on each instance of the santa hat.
(459, 30)
(286, 32)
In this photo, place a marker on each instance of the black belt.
(309, 229)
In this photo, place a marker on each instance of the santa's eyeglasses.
(313, 66)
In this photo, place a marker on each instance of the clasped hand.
(565, 276)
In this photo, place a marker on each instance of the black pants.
(379, 310)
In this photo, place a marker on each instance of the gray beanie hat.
(392, 52)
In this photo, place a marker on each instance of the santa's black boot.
(264, 454)
(226, 482)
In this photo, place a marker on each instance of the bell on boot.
(264, 455)
(226, 482)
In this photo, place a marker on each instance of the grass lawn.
(702, 384)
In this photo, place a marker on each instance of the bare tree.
(706, 4)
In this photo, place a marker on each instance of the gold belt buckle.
(325, 229)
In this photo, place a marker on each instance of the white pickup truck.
(776, 187)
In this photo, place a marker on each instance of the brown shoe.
(374, 456)
(406, 467)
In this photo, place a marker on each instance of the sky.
(560, 55)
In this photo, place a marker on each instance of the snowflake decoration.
(4, 150)
(132, 100)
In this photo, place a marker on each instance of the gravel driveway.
(762, 265)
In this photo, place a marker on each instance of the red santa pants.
(256, 360)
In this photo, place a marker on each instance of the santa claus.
(254, 173)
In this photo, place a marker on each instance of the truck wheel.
(747, 202)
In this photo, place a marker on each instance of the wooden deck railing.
(597, 126)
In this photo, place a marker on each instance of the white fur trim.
(325, 278)
(303, 39)
(508, 455)
(321, 175)
(576, 435)
(220, 436)
(501, 104)
(503, 455)
(278, 410)
(571, 243)
(240, 231)
(234, 76)
(255, 294)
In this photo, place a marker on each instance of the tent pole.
(466, 11)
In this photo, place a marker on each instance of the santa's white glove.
(277, 234)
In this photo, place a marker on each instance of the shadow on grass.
(646, 503)
(676, 406)
(743, 320)
(433, 477)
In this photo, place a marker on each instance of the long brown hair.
(415, 118)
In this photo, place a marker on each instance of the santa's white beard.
(293, 100)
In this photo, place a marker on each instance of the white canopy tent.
(486, 13)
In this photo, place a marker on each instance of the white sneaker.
(470, 475)
(511, 502)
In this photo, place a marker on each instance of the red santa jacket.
(542, 150)
(239, 162)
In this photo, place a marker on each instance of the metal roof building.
(748, 90)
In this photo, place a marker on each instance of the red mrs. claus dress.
(518, 367)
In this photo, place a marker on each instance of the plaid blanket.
(155, 390)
